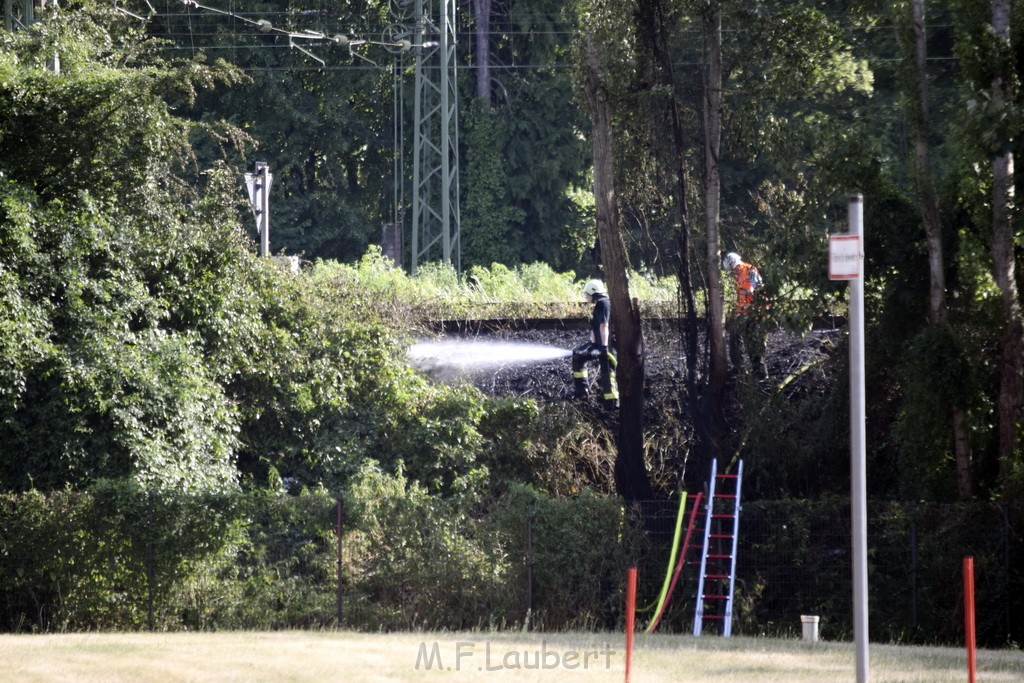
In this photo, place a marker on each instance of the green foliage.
(510, 428)
(114, 391)
(85, 561)
(437, 439)
(326, 134)
(496, 291)
(146, 342)
(276, 569)
(800, 66)
(938, 374)
(571, 452)
(915, 557)
(24, 325)
(93, 561)
(418, 561)
(106, 124)
(329, 134)
(110, 391)
(542, 146)
(78, 575)
(579, 549)
(990, 124)
(490, 226)
(798, 443)
(169, 417)
(443, 437)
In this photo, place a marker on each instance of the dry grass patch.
(359, 657)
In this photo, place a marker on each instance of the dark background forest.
(145, 347)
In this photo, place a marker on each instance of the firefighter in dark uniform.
(597, 349)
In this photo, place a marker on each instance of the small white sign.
(844, 257)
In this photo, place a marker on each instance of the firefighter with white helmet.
(742, 328)
(594, 287)
(597, 349)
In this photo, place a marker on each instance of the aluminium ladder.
(717, 576)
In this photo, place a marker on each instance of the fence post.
(339, 560)
(969, 617)
(150, 574)
(913, 564)
(630, 618)
(1007, 590)
(529, 567)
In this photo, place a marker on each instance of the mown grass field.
(358, 657)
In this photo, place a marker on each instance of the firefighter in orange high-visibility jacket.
(597, 349)
(743, 328)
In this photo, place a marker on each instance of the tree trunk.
(926, 186)
(482, 18)
(655, 31)
(712, 199)
(933, 236)
(630, 470)
(1011, 389)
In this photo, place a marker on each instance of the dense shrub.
(568, 556)
(419, 561)
(277, 570)
(437, 292)
(96, 560)
(410, 559)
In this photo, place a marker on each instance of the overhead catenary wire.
(265, 26)
(206, 31)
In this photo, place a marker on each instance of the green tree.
(916, 84)
(539, 133)
(491, 226)
(101, 389)
(147, 342)
(602, 83)
(326, 133)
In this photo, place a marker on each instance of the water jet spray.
(447, 357)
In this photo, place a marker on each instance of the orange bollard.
(630, 618)
(972, 661)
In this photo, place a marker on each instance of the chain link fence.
(794, 558)
(121, 559)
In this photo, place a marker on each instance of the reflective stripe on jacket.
(746, 276)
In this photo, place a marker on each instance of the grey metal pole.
(53, 63)
(858, 450)
(264, 170)
(417, 153)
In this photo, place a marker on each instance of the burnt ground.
(551, 380)
(798, 375)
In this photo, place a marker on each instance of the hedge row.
(118, 559)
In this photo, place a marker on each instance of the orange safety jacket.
(747, 280)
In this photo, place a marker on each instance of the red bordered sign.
(844, 257)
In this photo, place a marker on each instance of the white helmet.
(731, 260)
(594, 287)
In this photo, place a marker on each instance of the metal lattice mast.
(20, 16)
(435, 196)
